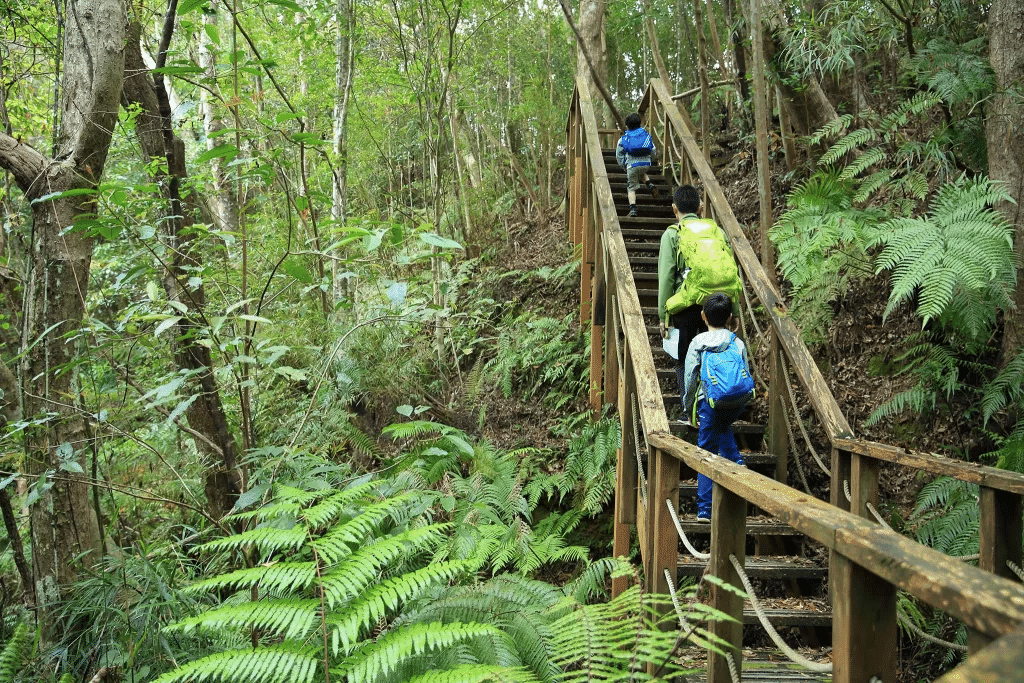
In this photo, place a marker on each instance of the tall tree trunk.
(592, 60)
(223, 202)
(205, 414)
(65, 530)
(1004, 131)
(342, 285)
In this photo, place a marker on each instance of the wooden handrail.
(991, 477)
(987, 603)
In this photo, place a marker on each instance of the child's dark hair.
(633, 121)
(686, 199)
(717, 309)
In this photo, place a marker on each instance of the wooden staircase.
(776, 553)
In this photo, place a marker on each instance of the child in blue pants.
(714, 433)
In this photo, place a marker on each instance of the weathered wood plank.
(984, 602)
(864, 640)
(729, 521)
(974, 473)
(1000, 662)
(666, 540)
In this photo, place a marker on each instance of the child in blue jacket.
(714, 431)
(635, 163)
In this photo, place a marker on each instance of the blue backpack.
(637, 143)
(726, 378)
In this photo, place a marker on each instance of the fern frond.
(865, 161)
(962, 247)
(278, 577)
(289, 619)
(282, 663)
(337, 543)
(267, 540)
(475, 673)
(380, 658)
(832, 128)
(385, 598)
(846, 144)
(15, 652)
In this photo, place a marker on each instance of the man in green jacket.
(694, 261)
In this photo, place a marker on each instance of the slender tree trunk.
(205, 414)
(65, 530)
(705, 90)
(652, 35)
(223, 202)
(1004, 130)
(343, 286)
(592, 60)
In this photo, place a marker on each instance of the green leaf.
(404, 410)
(441, 242)
(170, 322)
(213, 33)
(187, 6)
(218, 152)
(178, 70)
(287, 4)
(254, 318)
(297, 271)
(76, 192)
(153, 290)
(291, 373)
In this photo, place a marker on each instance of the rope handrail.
(682, 536)
(793, 655)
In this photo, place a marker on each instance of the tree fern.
(958, 261)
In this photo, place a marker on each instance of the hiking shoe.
(654, 190)
(632, 212)
(702, 518)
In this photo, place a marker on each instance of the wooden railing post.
(999, 541)
(598, 318)
(728, 537)
(864, 639)
(840, 478)
(863, 485)
(664, 487)
(627, 472)
(778, 432)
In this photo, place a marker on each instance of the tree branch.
(24, 163)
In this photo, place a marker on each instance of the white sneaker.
(703, 519)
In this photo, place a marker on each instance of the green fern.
(960, 74)
(821, 241)
(958, 261)
(15, 652)
(947, 516)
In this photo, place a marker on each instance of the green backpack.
(710, 262)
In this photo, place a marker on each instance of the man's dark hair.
(686, 199)
(717, 309)
(633, 121)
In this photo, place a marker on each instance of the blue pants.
(715, 435)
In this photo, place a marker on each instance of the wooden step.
(756, 526)
(761, 567)
(759, 666)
